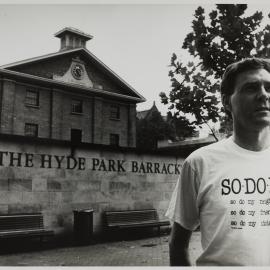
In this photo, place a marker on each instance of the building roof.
(88, 54)
(73, 31)
(46, 83)
(188, 141)
(144, 114)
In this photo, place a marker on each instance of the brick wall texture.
(58, 190)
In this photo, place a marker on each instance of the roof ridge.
(36, 58)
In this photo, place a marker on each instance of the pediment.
(77, 66)
(76, 74)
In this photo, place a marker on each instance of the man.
(225, 187)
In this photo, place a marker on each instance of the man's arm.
(178, 245)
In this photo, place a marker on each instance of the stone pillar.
(132, 125)
(97, 128)
(8, 100)
(57, 115)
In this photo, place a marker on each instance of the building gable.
(148, 113)
(62, 67)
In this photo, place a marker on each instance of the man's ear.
(226, 102)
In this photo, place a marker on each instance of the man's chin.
(262, 122)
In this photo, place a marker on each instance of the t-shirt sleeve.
(183, 207)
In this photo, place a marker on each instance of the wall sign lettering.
(46, 161)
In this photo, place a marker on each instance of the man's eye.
(267, 88)
(250, 89)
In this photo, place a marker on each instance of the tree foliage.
(152, 129)
(180, 127)
(229, 36)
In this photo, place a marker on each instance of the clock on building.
(77, 71)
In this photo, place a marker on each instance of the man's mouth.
(263, 109)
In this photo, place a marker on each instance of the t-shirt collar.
(240, 149)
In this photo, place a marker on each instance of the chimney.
(72, 38)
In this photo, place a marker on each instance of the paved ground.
(147, 251)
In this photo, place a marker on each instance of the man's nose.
(263, 93)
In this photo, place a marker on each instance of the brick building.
(68, 95)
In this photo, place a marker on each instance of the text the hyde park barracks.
(17, 159)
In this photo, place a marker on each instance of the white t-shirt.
(226, 190)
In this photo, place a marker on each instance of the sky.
(136, 41)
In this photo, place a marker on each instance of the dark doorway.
(75, 136)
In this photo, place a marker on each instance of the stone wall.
(44, 177)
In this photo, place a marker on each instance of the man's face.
(249, 103)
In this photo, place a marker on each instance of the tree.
(180, 127)
(226, 125)
(230, 36)
(192, 93)
(152, 129)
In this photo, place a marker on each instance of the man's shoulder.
(209, 150)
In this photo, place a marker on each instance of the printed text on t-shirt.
(246, 185)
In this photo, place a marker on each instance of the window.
(76, 106)
(115, 112)
(77, 42)
(31, 130)
(32, 98)
(75, 135)
(63, 42)
(114, 139)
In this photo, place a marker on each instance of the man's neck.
(257, 140)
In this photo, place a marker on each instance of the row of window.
(32, 99)
(75, 134)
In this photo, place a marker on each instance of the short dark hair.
(233, 70)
